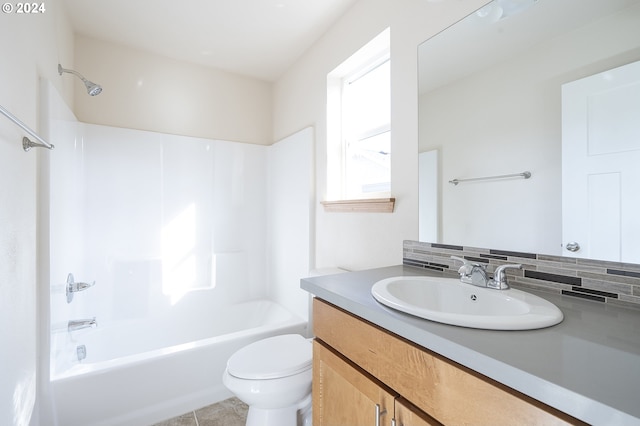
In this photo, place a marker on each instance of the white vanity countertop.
(587, 366)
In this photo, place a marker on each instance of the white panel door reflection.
(601, 165)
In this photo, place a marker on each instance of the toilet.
(273, 377)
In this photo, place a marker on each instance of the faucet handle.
(500, 278)
(75, 286)
(466, 267)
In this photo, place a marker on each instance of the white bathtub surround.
(174, 231)
(155, 213)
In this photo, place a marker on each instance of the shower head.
(92, 88)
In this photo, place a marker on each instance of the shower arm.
(93, 89)
(76, 73)
(27, 144)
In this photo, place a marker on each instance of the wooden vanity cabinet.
(357, 365)
(408, 415)
(348, 396)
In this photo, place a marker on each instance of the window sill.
(372, 205)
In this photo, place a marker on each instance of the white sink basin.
(449, 301)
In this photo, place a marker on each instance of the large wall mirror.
(530, 86)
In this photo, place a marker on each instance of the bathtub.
(125, 380)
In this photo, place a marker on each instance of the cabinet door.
(343, 395)
(408, 415)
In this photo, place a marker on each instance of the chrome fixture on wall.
(93, 89)
(476, 274)
(27, 144)
(525, 175)
(81, 351)
(74, 287)
(74, 325)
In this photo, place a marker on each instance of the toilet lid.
(272, 358)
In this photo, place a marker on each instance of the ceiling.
(256, 38)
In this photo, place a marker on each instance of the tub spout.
(82, 323)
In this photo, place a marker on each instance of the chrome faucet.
(476, 274)
(74, 325)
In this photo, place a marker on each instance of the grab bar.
(525, 175)
(27, 144)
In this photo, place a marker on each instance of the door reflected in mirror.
(491, 104)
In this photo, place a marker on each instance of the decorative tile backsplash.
(602, 281)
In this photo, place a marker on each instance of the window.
(359, 125)
(366, 132)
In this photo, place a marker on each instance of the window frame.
(369, 58)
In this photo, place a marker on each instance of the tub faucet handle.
(74, 287)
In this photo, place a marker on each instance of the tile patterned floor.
(230, 412)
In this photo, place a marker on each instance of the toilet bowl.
(273, 377)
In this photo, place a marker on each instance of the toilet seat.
(272, 358)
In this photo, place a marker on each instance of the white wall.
(146, 91)
(289, 223)
(362, 240)
(30, 46)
